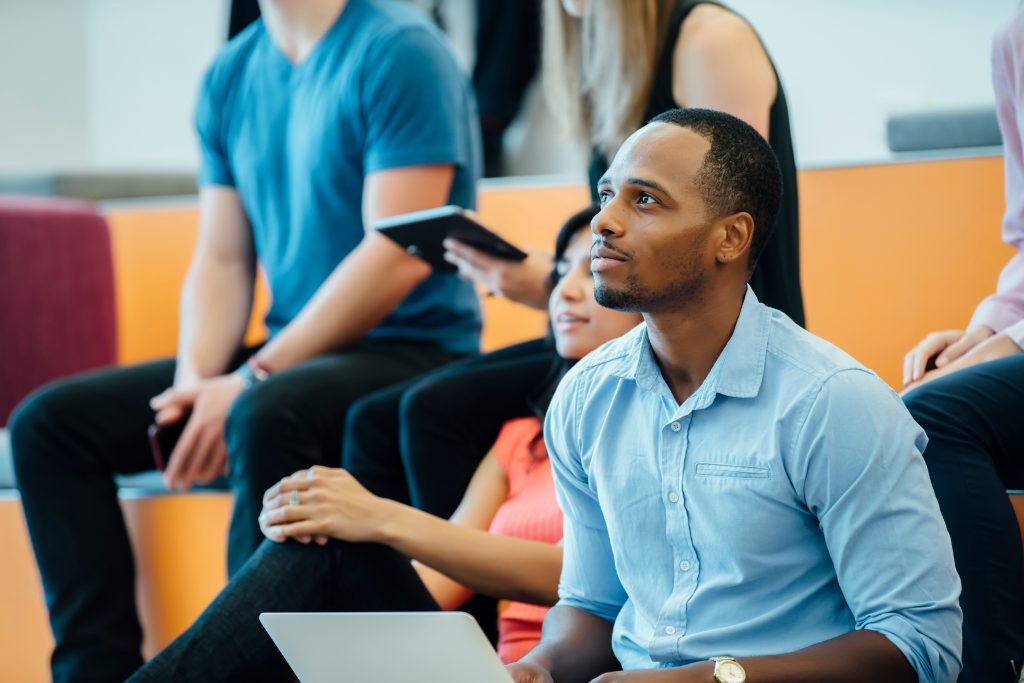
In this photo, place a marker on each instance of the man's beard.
(633, 297)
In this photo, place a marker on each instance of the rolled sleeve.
(862, 474)
(589, 580)
(413, 104)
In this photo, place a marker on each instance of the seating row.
(888, 252)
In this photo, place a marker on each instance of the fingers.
(169, 415)
(916, 362)
(178, 460)
(295, 530)
(463, 255)
(214, 464)
(203, 456)
(183, 398)
(299, 481)
(954, 350)
(961, 346)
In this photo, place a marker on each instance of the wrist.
(253, 372)
(394, 520)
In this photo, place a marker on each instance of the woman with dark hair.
(335, 546)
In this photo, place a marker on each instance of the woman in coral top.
(334, 546)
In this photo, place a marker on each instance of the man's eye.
(603, 197)
(647, 198)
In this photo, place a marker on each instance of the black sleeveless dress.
(776, 279)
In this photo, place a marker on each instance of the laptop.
(385, 647)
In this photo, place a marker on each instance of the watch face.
(730, 672)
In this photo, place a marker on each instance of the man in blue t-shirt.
(315, 122)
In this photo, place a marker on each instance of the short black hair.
(740, 171)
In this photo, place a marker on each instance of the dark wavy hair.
(545, 391)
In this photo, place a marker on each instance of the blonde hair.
(599, 69)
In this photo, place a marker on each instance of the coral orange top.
(529, 512)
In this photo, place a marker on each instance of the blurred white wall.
(111, 84)
(44, 88)
(847, 65)
(146, 59)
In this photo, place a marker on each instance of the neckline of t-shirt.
(314, 53)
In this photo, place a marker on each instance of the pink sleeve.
(1004, 309)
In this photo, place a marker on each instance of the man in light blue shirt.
(734, 488)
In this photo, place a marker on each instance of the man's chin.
(617, 300)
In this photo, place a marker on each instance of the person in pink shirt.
(966, 389)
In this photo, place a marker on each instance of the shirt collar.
(739, 370)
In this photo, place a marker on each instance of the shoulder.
(717, 50)
(826, 375)
(232, 59)
(399, 32)
(799, 351)
(710, 30)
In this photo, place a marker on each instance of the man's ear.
(737, 232)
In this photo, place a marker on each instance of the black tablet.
(422, 232)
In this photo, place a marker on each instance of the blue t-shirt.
(380, 90)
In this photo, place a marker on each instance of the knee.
(932, 406)
(34, 424)
(427, 402)
(258, 420)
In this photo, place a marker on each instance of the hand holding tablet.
(422, 234)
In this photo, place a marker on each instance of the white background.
(111, 84)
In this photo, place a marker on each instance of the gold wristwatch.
(728, 670)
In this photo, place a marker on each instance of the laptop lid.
(385, 647)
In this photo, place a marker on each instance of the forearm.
(216, 303)
(576, 646)
(499, 566)
(850, 658)
(358, 295)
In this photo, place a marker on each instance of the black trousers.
(975, 452)
(70, 437)
(228, 643)
(420, 441)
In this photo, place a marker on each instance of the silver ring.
(294, 498)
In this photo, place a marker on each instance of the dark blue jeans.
(71, 437)
(974, 419)
(228, 643)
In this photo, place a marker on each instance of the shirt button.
(684, 565)
(676, 426)
(670, 630)
(673, 497)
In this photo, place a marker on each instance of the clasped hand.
(321, 503)
(201, 454)
(952, 350)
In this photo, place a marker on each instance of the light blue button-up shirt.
(784, 503)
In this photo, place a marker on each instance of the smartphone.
(421, 233)
(162, 439)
